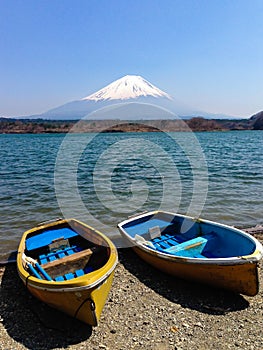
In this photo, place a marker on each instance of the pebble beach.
(145, 310)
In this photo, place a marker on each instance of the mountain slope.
(129, 98)
(125, 98)
(130, 86)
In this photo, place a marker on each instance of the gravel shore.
(145, 310)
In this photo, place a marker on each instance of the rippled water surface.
(103, 178)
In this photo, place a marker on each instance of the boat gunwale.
(66, 286)
(250, 258)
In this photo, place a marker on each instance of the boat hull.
(241, 278)
(84, 303)
(196, 250)
(83, 297)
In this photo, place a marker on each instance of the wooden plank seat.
(69, 266)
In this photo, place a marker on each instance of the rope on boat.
(140, 239)
(92, 308)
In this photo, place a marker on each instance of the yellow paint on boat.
(83, 297)
(241, 278)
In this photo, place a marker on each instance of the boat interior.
(187, 237)
(61, 253)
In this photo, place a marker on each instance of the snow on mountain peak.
(130, 86)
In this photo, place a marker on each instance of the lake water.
(101, 179)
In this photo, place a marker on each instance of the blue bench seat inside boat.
(165, 241)
(77, 273)
(61, 253)
(40, 273)
(47, 237)
(192, 248)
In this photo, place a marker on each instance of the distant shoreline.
(42, 126)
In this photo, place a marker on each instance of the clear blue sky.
(205, 53)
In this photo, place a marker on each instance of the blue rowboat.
(196, 249)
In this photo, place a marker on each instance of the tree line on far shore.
(38, 126)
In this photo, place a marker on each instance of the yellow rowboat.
(69, 266)
(195, 249)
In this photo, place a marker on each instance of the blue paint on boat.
(43, 272)
(48, 236)
(191, 248)
(34, 271)
(141, 227)
(220, 241)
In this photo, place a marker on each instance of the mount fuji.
(129, 98)
(128, 87)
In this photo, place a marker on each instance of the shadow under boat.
(188, 294)
(33, 323)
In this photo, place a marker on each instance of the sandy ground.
(145, 310)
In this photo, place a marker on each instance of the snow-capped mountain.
(128, 98)
(128, 87)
